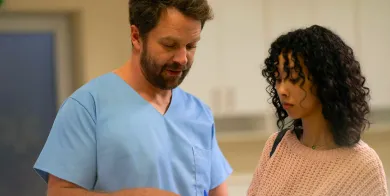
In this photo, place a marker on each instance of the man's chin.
(169, 85)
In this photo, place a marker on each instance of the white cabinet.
(227, 69)
(340, 17)
(282, 16)
(204, 77)
(241, 56)
(374, 52)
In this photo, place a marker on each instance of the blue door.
(27, 108)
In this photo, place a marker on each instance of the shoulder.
(105, 84)
(194, 102)
(365, 155)
(270, 142)
(272, 137)
(366, 161)
(279, 135)
(86, 96)
(94, 87)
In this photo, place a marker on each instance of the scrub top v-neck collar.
(171, 107)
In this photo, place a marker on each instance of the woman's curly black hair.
(333, 70)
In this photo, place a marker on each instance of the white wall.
(227, 69)
(226, 73)
(374, 50)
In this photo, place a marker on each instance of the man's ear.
(135, 38)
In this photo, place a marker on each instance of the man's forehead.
(174, 16)
(175, 26)
(176, 33)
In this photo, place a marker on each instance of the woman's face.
(295, 93)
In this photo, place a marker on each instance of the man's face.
(167, 53)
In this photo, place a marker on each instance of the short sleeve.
(70, 150)
(220, 168)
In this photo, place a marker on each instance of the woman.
(315, 79)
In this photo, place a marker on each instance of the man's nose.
(181, 56)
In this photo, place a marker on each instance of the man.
(132, 131)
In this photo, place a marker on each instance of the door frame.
(57, 24)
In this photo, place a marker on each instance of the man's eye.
(191, 46)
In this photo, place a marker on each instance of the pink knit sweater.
(297, 170)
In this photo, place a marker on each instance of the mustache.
(176, 66)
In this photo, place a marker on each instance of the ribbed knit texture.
(297, 170)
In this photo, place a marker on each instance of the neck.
(132, 74)
(316, 132)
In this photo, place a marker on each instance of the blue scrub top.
(106, 137)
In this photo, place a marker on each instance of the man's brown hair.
(145, 14)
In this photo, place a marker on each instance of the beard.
(159, 76)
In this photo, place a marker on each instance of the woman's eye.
(295, 80)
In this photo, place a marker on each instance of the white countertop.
(252, 136)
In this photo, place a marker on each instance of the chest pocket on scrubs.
(202, 158)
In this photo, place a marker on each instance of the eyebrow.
(170, 38)
(197, 39)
